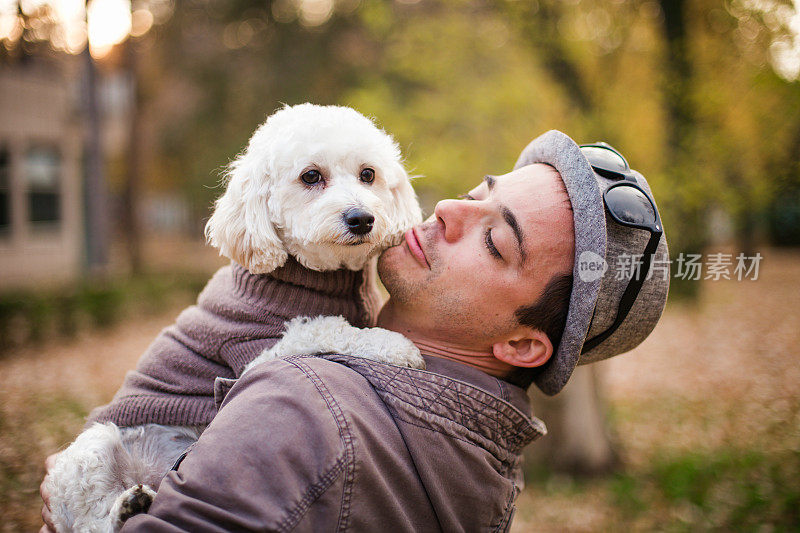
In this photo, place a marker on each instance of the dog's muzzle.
(358, 221)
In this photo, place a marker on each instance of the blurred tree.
(469, 107)
(97, 220)
(225, 65)
(131, 192)
(748, 118)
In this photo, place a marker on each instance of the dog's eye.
(311, 177)
(367, 175)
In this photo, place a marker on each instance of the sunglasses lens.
(604, 158)
(630, 205)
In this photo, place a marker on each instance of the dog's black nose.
(359, 221)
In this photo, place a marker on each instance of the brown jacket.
(339, 443)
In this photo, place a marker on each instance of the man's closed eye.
(487, 236)
(490, 244)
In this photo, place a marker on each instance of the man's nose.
(456, 216)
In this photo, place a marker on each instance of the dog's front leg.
(332, 334)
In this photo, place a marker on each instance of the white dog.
(320, 184)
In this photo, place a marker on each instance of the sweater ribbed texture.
(237, 316)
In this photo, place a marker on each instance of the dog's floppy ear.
(240, 226)
(404, 212)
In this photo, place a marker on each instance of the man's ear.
(529, 349)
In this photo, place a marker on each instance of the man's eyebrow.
(489, 181)
(511, 220)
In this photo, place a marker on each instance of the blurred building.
(41, 231)
(42, 174)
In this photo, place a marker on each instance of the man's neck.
(430, 344)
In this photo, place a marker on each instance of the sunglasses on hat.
(629, 205)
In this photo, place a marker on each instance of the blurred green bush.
(31, 316)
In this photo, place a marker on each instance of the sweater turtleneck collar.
(333, 283)
(340, 285)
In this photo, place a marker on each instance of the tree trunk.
(131, 190)
(677, 81)
(96, 197)
(577, 440)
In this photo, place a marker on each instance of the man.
(498, 290)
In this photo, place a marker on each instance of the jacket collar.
(455, 398)
(477, 378)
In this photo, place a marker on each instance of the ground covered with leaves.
(705, 413)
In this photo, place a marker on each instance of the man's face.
(460, 276)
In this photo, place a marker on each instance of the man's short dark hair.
(549, 315)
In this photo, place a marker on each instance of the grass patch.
(723, 490)
(28, 434)
(731, 490)
(626, 495)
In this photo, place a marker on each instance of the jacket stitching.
(386, 381)
(506, 461)
(489, 404)
(503, 429)
(413, 462)
(462, 410)
(426, 404)
(505, 517)
(346, 436)
(503, 390)
(495, 427)
(512, 440)
(315, 491)
(492, 403)
(342, 463)
(503, 461)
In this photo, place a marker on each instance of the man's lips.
(416, 249)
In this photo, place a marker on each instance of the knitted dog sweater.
(237, 316)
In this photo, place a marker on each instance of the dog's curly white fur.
(332, 334)
(92, 476)
(267, 213)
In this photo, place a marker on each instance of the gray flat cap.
(596, 292)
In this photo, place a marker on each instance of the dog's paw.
(391, 347)
(133, 501)
(412, 360)
(407, 360)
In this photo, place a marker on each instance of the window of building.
(43, 181)
(5, 190)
